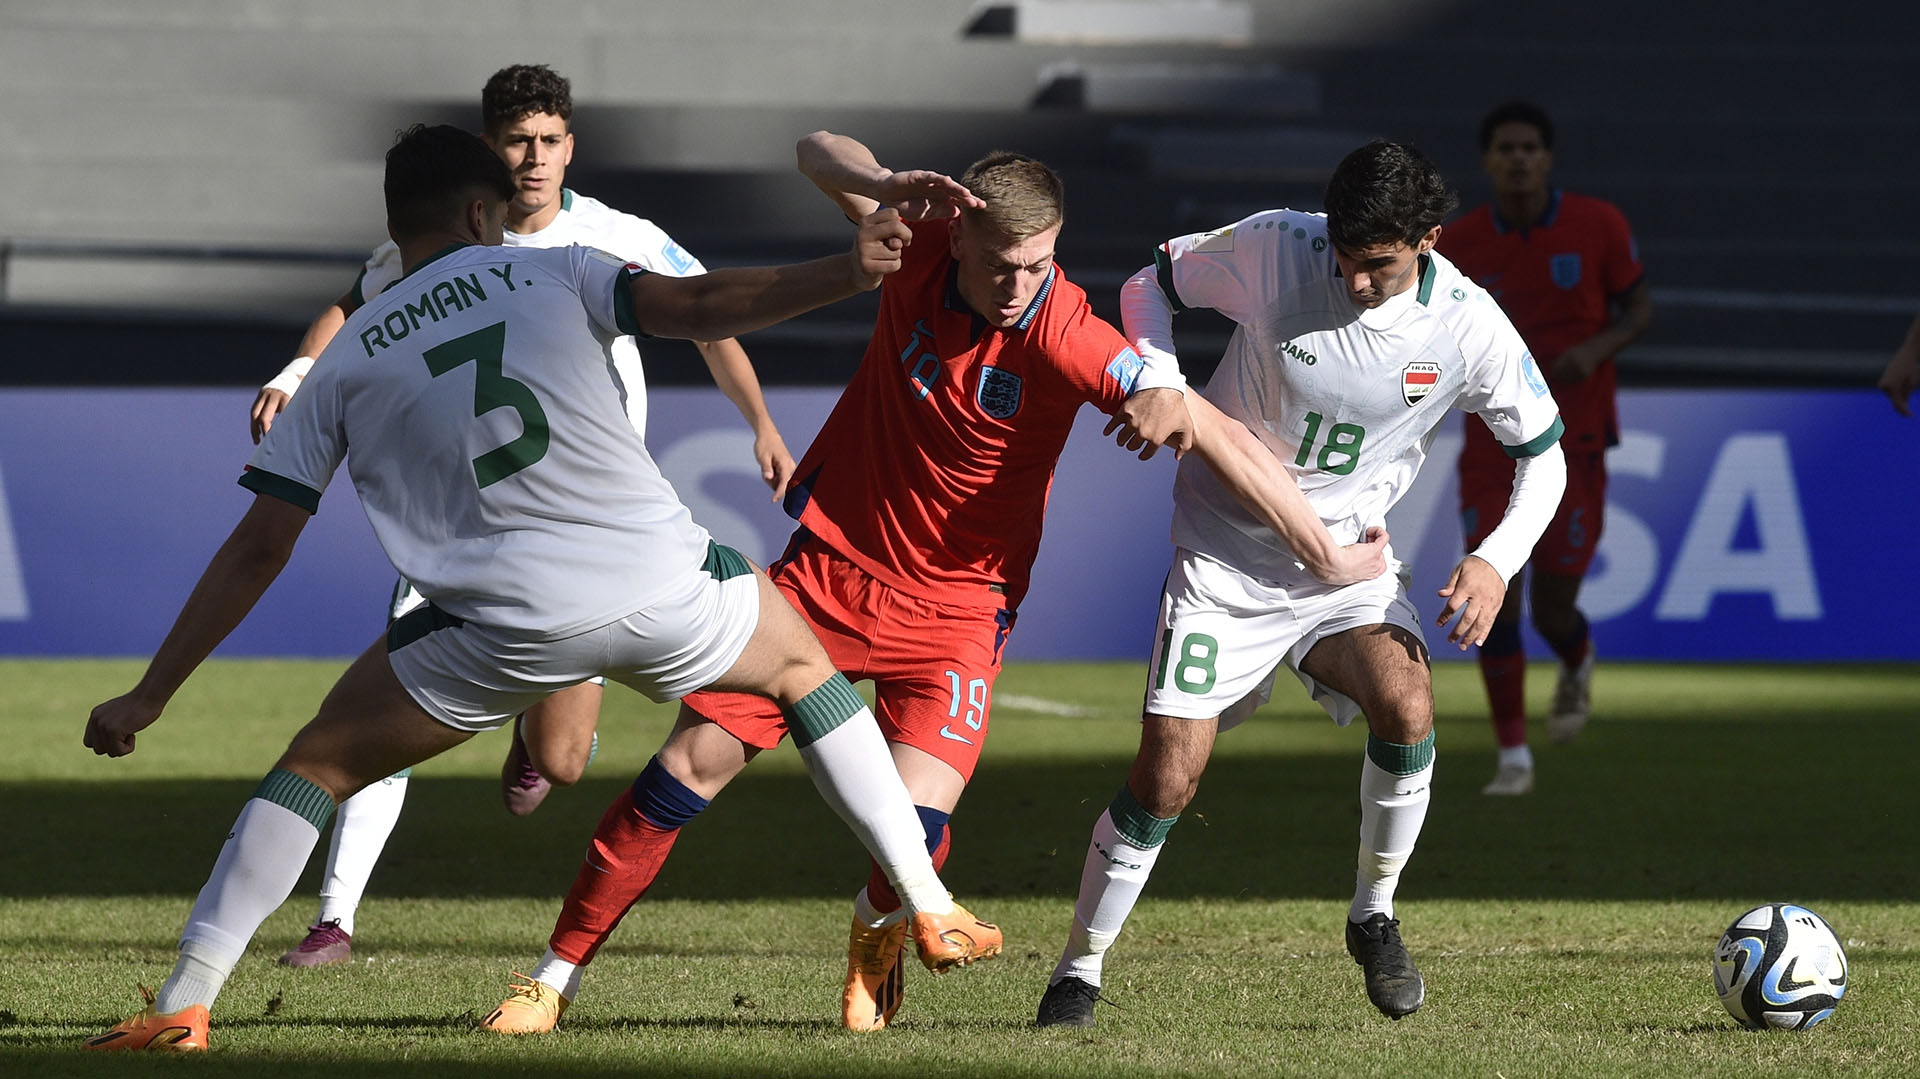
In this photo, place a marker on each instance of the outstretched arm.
(273, 397)
(1256, 477)
(239, 573)
(734, 374)
(849, 174)
(730, 302)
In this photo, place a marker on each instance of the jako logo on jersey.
(677, 258)
(1531, 372)
(1565, 269)
(1125, 369)
(999, 393)
(1417, 380)
(1299, 353)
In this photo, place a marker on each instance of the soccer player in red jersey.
(919, 506)
(1565, 269)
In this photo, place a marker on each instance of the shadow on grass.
(1707, 809)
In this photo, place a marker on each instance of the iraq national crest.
(999, 392)
(1417, 379)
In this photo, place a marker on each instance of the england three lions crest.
(999, 393)
(1417, 379)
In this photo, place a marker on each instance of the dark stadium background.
(1767, 159)
(187, 184)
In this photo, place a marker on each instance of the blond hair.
(1023, 196)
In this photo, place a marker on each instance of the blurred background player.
(1352, 341)
(1902, 375)
(1565, 269)
(526, 112)
(501, 475)
(920, 505)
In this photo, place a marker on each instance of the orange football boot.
(875, 976)
(954, 939)
(181, 1031)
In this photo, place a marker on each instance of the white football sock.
(360, 833)
(1519, 755)
(865, 914)
(556, 973)
(256, 871)
(1392, 810)
(1111, 880)
(198, 973)
(849, 763)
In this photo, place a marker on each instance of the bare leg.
(559, 732)
(1384, 669)
(367, 728)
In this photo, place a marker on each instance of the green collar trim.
(435, 257)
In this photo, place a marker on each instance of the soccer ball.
(1779, 966)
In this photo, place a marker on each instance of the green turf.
(1565, 933)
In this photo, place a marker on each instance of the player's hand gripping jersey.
(1349, 399)
(590, 223)
(544, 530)
(932, 472)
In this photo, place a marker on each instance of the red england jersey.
(932, 471)
(1556, 281)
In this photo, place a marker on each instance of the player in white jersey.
(500, 474)
(526, 113)
(1353, 341)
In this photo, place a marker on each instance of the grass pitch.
(1564, 933)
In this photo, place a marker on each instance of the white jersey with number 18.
(488, 445)
(1349, 399)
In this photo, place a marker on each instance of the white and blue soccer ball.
(1781, 967)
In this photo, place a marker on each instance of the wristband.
(288, 380)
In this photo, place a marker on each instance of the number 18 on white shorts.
(1223, 635)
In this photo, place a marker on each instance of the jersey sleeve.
(1098, 363)
(382, 268)
(301, 451)
(1622, 270)
(647, 245)
(1235, 270)
(1504, 386)
(603, 283)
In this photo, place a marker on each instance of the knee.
(1164, 788)
(564, 771)
(331, 778)
(1401, 722)
(1554, 622)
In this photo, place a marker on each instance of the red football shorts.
(932, 664)
(1567, 546)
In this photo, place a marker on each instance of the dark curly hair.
(1516, 112)
(1385, 193)
(433, 171)
(522, 90)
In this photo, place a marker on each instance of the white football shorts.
(407, 599)
(1223, 635)
(474, 678)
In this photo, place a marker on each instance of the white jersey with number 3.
(590, 223)
(1348, 399)
(489, 447)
